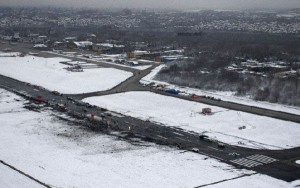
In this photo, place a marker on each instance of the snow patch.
(49, 73)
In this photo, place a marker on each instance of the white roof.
(40, 46)
(83, 43)
(139, 51)
(68, 38)
(105, 45)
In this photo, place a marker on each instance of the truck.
(172, 91)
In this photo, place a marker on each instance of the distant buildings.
(80, 44)
(277, 68)
(108, 48)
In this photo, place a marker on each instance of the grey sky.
(163, 4)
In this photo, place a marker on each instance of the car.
(88, 105)
(56, 93)
(195, 150)
(202, 137)
(80, 104)
(205, 138)
(221, 145)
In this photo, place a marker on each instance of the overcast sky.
(162, 4)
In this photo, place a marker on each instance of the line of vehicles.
(165, 88)
(61, 105)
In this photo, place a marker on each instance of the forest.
(206, 69)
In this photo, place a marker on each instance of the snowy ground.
(225, 96)
(12, 179)
(67, 155)
(224, 124)
(49, 73)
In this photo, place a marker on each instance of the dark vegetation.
(215, 51)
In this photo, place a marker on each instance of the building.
(40, 39)
(206, 111)
(40, 47)
(108, 48)
(80, 44)
(16, 37)
(58, 44)
(70, 39)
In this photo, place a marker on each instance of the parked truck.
(172, 91)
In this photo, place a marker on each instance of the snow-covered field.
(49, 73)
(12, 179)
(225, 96)
(224, 124)
(66, 155)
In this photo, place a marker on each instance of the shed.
(206, 111)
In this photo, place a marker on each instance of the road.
(275, 163)
(133, 84)
(283, 168)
